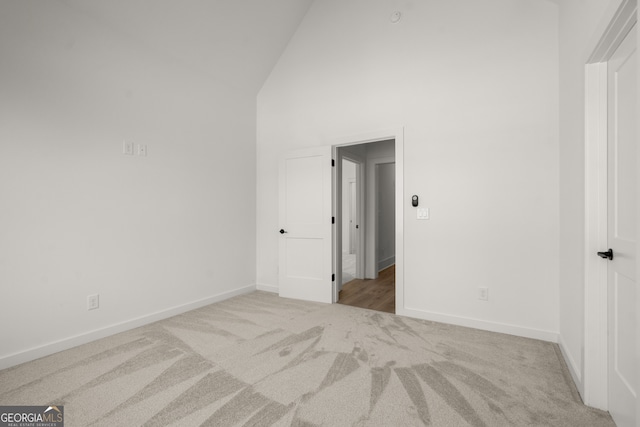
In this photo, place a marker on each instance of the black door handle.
(282, 231)
(607, 254)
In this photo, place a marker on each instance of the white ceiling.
(237, 41)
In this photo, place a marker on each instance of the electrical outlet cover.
(93, 302)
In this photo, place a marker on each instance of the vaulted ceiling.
(236, 41)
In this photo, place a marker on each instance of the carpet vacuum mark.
(261, 360)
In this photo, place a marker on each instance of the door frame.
(360, 163)
(354, 210)
(594, 374)
(397, 134)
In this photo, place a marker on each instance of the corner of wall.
(468, 322)
(572, 365)
(267, 288)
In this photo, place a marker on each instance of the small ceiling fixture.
(395, 16)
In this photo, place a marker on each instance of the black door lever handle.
(607, 254)
(282, 231)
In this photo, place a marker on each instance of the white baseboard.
(74, 341)
(484, 325)
(576, 373)
(388, 262)
(267, 288)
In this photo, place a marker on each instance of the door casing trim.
(397, 134)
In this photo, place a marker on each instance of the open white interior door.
(622, 232)
(305, 250)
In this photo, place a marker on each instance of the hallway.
(375, 294)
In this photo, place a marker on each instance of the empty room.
(186, 186)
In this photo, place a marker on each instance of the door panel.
(305, 249)
(622, 217)
(304, 267)
(624, 299)
(303, 181)
(352, 217)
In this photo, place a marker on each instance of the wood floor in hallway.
(375, 294)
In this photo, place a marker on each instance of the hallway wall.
(348, 177)
(386, 215)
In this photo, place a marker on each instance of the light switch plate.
(127, 148)
(422, 213)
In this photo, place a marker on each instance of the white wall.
(638, 252)
(376, 153)
(475, 85)
(348, 176)
(581, 24)
(78, 217)
(638, 263)
(386, 215)
(373, 154)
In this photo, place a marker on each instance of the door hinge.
(333, 220)
(333, 163)
(333, 277)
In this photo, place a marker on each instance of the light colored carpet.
(260, 360)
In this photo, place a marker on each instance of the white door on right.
(622, 232)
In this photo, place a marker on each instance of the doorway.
(310, 249)
(367, 225)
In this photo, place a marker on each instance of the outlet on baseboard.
(93, 302)
(483, 294)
